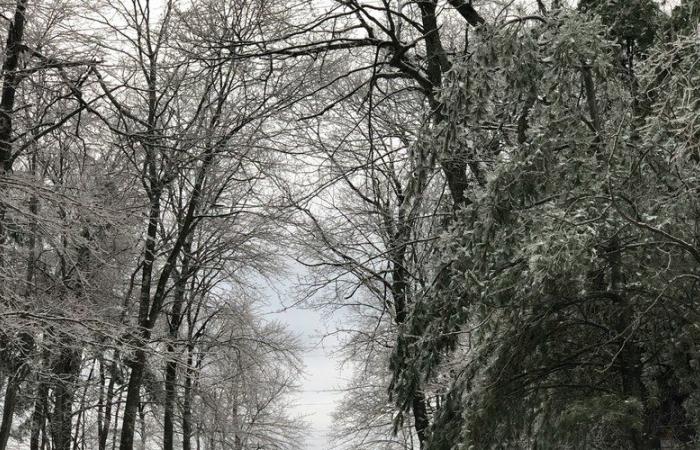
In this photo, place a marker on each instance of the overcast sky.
(320, 387)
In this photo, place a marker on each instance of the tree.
(37, 100)
(192, 150)
(558, 303)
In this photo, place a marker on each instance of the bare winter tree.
(156, 121)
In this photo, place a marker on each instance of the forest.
(499, 199)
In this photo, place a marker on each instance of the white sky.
(320, 388)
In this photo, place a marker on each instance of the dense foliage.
(571, 294)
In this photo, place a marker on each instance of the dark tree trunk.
(10, 81)
(7, 104)
(169, 404)
(39, 415)
(142, 422)
(116, 414)
(8, 411)
(13, 49)
(138, 363)
(171, 361)
(103, 429)
(79, 434)
(66, 371)
(420, 418)
(455, 169)
(187, 405)
(133, 399)
(19, 372)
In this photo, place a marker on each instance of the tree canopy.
(497, 199)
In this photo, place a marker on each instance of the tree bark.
(420, 418)
(137, 364)
(13, 48)
(103, 430)
(39, 415)
(187, 404)
(79, 421)
(142, 421)
(133, 399)
(116, 422)
(19, 372)
(67, 371)
(169, 402)
(8, 411)
(171, 361)
(7, 103)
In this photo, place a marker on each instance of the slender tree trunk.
(116, 421)
(40, 411)
(103, 431)
(142, 422)
(170, 394)
(455, 170)
(80, 422)
(101, 406)
(171, 360)
(39, 415)
(45, 440)
(138, 362)
(187, 403)
(133, 399)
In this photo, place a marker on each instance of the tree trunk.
(171, 360)
(7, 104)
(9, 408)
(67, 371)
(103, 431)
(13, 49)
(138, 363)
(116, 422)
(40, 411)
(39, 415)
(187, 405)
(142, 422)
(19, 372)
(133, 399)
(420, 418)
(80, 420)
(170, 394)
